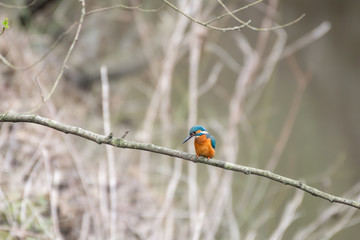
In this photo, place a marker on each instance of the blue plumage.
(195, 128)
(213, 142)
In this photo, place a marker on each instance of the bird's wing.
(213, 142)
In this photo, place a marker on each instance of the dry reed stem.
(74, 153)
(104, 199)
(195, 44)
(261, 67)
(159, 107)
(156, 229)
(289, 215)
(232, 220)
(111, 166)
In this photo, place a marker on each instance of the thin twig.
(3, 30)
(63, 66)
(231, 13)
(53, 46)
(125, 133)
(57, 41)
(17, 6)
(76, 38)
(205, 24)
(124, 7)
(110, 8)
(261, 28)
(22, 233)
(122, 143)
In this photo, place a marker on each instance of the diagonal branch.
(231, 13)
(208, 23)
(122, 143)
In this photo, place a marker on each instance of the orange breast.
(203, 147)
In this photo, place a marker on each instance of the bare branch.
(63, 66)
(205, 24)
(57, 41)
(124, 7)
(76, 38)
(53, 46)
(231, 13)
(122, 143)
(17, 6)
(308, 38)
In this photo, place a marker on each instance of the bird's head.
(196, 130)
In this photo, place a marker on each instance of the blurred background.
(285, 100)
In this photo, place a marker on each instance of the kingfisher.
(204, 143)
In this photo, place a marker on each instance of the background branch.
(122, 143)
(231, 13)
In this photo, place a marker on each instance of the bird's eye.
(193, 133)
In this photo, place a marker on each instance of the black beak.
(190, 136)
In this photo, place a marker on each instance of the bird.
(204, 143)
